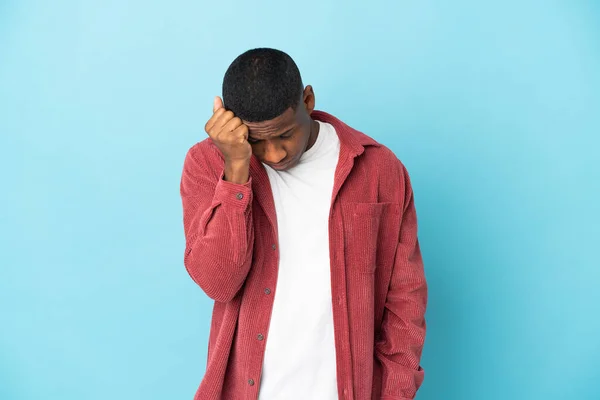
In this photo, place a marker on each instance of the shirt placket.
(258, 335)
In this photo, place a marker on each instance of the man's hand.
(230, 136)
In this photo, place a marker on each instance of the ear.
(309, 99)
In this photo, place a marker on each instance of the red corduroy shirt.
(379, 291)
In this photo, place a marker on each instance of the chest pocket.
(363, 223)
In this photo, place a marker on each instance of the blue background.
(494, 107)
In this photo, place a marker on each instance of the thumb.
(218, 103)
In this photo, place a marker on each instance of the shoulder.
(204, 157)
(384, 160)
(204, 151)
(390, 172)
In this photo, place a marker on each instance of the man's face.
(280, 142)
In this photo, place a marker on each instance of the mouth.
(280, 166)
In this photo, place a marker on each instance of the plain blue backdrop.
(494, 107)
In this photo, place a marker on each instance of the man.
(304, 233)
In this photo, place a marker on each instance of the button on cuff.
(233, 195)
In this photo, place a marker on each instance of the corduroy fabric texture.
(379, 290)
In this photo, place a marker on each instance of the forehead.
(273, 127)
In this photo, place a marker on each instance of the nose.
(273, 153)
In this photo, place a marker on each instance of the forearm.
(402, 333)
(219, 239)
(400, 344)
(219, 259)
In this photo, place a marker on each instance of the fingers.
(218, 111)
(218, 120)
(231, 125)
(231, 132)
(241, 132)
(217, 104)
(224, 126)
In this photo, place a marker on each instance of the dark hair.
(261, 84)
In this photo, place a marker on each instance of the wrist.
(237, 171)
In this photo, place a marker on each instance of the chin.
(284, 166)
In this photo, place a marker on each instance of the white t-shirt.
(299, 358)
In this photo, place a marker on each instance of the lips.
(280, 166)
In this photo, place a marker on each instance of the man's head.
(264, 89)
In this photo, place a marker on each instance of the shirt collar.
(355, 140)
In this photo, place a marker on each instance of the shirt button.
(251, 382)
(260, 337)
(274, 246)
(267, 291)
(239, 196)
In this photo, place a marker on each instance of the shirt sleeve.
(219, 235)
(400, 344)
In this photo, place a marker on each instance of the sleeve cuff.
(234, 195)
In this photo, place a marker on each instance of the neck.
(314, 133)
